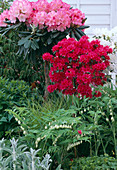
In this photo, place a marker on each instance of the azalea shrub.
(77, 66)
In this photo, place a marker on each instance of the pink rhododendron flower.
(56, 15)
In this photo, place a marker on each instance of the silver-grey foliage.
(19, 157)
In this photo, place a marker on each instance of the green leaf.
(27, 44)
(55, 35)
(61, 37)
(80, 32)
(8, 22)
(83, 27)
(23, 40)
(10, 117)
(36, 44)
(33, 45)
(59, 167)
(24, 32)
(49, 41)
(41, 35)
(3, 119)
(1, 107)
(77, 35)
(72, 35)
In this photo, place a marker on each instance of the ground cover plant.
(12, 93)
(66, 114)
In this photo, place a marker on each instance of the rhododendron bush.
(41, 25)
(76, 66)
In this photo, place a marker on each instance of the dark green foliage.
(12, 93)
(94, 163)
(33, 42)
(102, 112)
(14, 67)
(46, 121)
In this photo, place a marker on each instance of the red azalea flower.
(80, 132)
(98, 94)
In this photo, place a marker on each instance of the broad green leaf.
(27, 44)
(33, 45)
(23, 40)
(36, 44)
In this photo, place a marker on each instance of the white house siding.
(99, 13)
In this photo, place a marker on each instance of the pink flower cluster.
(77, 65)
(56, 15)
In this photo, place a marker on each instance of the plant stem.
(46, 73)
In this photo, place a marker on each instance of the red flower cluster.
(80, 132)
(77, 65)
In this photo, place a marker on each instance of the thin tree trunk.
(47, 80)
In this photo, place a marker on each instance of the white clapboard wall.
(99, 13)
